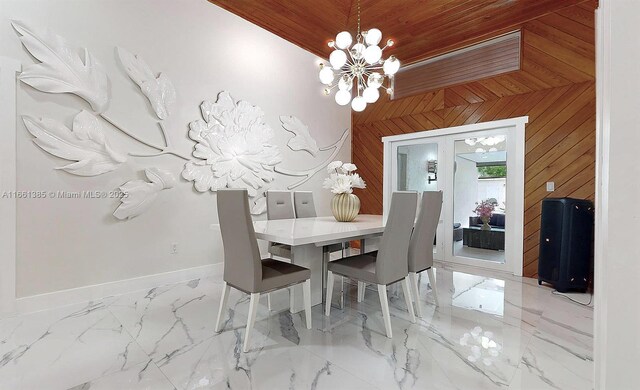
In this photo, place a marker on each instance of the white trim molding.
(9, 67)
(493, 125)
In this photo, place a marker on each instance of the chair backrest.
(303, 201)
(242, 261)
(280, 205)
(421, 245)
(392, 263)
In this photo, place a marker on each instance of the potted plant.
(342, 179)
(484, 210)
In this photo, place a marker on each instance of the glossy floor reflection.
(489, 332)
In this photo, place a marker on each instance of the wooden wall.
(555, 88)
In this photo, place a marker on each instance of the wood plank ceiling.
(421, 28)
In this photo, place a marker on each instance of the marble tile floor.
(477, 253)
(491, 331)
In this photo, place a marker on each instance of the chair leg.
(407, 298)
(342, 293)
(269, 301)
(416, 293)
(306, 289)
(361, 287)
(253, 308)
(432, 281)
(384, 302)
(327, 304)
(223, 304)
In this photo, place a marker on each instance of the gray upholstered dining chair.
(280, 206)
(244, 269)
(304, 204)
(390, 264)
(421, 245)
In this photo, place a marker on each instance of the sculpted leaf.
(302, 140)
(259, 205)
(233, 145)
(86, 144)
(159, 90)
(139, 195)
(62, 68)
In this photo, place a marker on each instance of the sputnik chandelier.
(360, 65)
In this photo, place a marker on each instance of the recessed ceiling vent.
(486, 59)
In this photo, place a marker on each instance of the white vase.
(345, 207)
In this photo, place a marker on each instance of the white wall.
(63, 244)
(493, 188)
(417, 157)
(617, 269)
(465, 190)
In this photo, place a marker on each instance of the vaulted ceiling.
(421, 28)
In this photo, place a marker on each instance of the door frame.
(515, 129)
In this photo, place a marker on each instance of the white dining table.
(308, 237)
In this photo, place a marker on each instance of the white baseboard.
(99, 291)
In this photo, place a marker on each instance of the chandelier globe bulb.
(337, 59)
(358, 104)
(343, 97)
(371, 94)
(343, 40)
(391, 66)
(373, 37)
(326, 75)
(372, 54)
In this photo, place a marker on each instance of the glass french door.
(477, 182)
(481, 174)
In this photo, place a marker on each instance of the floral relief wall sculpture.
(233, 143)
(235, 151)
(308, 173)
(233, 147)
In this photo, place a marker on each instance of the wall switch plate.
(551, 186)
